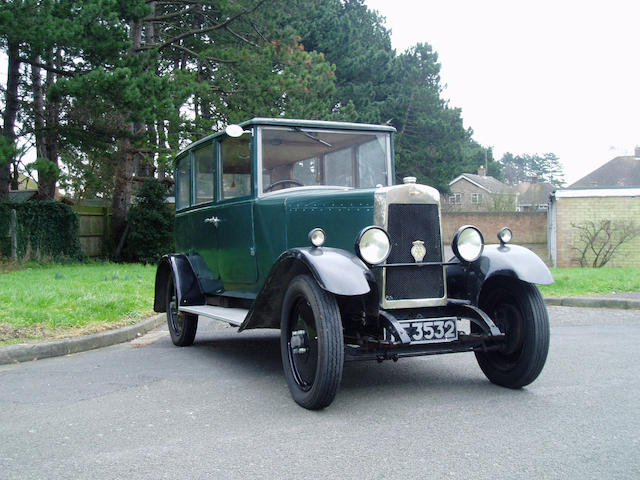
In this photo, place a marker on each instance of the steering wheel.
(283, 182)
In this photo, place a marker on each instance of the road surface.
(221, 409)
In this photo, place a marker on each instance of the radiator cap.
(409, 180)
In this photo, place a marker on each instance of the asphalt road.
(221, 409)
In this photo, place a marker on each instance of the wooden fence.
(94, 230)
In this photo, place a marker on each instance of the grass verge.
(49, 301)
(589, 281)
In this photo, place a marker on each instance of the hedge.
(47, 231)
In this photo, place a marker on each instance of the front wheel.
(182, 326)
(311, 343)
(518, 310)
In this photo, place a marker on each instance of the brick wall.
(578, 210)
(529, 228)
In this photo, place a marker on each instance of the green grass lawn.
(57, 300)
(586, 281)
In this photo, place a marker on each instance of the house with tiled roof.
(533, 196)
(479, 192)
(617, 173)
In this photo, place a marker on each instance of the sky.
(538, 76)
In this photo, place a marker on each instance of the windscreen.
(296, 157)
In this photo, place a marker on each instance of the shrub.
(150, 224)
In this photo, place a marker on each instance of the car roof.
(292, 122)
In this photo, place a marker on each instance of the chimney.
(481, 171)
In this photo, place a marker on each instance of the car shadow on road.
(255, 355)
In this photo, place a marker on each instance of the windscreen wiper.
(307, 134)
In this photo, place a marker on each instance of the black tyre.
(311, 343)
(518, 310)
(182, 326)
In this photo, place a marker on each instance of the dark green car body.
(246, 206)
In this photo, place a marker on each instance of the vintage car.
(297, 225)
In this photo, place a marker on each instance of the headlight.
(505, 235)
(467, 243)
(317, 237)
(373, 245)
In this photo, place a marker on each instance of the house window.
(455, 199)
(476, 198)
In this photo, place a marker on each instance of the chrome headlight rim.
(367, 235)
(317, 237)
(505, 235)
(465, 254)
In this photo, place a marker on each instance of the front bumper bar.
(487, 336)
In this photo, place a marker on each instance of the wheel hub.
(299, 342)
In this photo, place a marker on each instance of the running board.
(233, 316)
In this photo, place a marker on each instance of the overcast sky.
(538, 76)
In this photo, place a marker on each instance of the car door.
(234, 215)
(203, 251)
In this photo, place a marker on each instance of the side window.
(204, 173)
(183, 183)
(236, 167)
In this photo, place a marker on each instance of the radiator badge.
(418, 251)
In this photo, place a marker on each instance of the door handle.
(215, 220)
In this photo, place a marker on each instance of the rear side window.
(204, 174)
(183, 183)
(236, 167)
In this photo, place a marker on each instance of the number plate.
(431, 331)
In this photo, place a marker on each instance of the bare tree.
(598, 241)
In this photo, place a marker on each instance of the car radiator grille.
(407, 223)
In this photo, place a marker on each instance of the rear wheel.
(311, 343)
(182, 326)
(518, 310)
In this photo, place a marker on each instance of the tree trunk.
(14, 182)
(38, 111)
(121, 191)
(48, 173)
(9, 117)
(126, 164)
(162, 145)
(152, 37)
